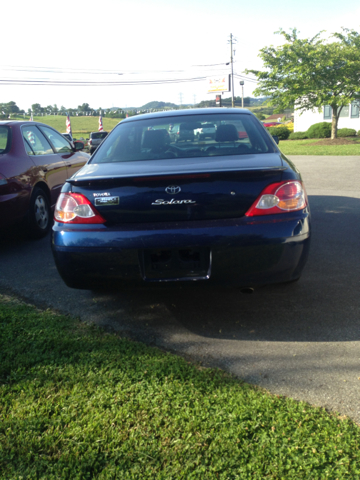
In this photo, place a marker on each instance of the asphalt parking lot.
(301, 340)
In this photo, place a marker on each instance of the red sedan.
(35, 161)
(271, 124)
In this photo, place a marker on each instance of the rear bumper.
(243, 252)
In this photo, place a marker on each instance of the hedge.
(281, 132)
(319, 130)
(346, 132)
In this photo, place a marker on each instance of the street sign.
(218, 84)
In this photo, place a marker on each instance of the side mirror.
(276, 139)
(79, 145)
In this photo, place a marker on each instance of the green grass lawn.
(79, 403)
(307, 147)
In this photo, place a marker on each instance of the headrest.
(226, 133)
(155, 139)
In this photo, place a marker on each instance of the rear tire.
(39, 214)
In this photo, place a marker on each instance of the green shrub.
(298, 135)
(346, 132)
(282, 132)
(260, 116)
(319, 130)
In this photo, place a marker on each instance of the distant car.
(72, 140)
(271, 124)
(184, 132)
(35, 161)
(207, 130)
(95, 139)
(143, 210)
(68, 136)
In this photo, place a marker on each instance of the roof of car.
(21, 122)
(187, 112)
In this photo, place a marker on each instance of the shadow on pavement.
(322, 307)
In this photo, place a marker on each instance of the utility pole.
(242, 93)
(232, 69)
(180, 98)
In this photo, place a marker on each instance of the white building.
(349, 117)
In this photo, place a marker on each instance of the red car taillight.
(76, 208)
(279, 197)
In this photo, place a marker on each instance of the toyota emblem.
(172, 189)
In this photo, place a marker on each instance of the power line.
(246, 78)
(210, 65)
(82, 83)
(58, 70)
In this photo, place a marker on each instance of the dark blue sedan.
(149, 207)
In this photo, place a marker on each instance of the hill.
(158, 105)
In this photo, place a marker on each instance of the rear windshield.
(98, 135)
(4, 139)
(178, 137)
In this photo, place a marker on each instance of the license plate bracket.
(176, 264)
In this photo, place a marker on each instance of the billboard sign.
(218, 84)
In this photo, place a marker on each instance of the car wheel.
(39, 214)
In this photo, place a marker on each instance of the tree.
(312, 73)
(260, 116)
(36, 108)
(12, 107)
(84, 107)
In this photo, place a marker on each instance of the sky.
(140, 41)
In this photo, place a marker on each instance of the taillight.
(90, 142)
(76, 208)
(279, 198)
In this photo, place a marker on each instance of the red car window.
(36, 140)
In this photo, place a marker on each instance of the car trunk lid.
(196, 189)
